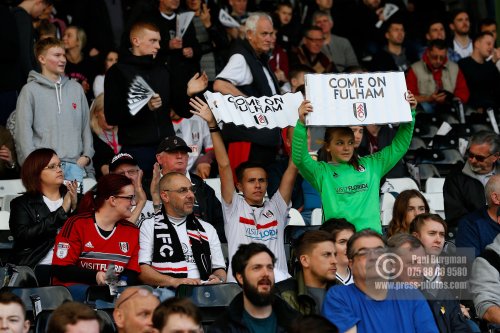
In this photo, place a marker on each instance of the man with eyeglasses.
(370, 304)
(435, 80)
(172, 155)
(310, 54)
(463, 188)
(176, 247)
(134, 310)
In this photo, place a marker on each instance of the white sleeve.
(236, 71)
(215, 247)
(146, 241)
(281, 207)
(98, 85)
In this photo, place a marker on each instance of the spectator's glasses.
(378, 251)
(55, 166)
(131, 172)
(479, 158)
(182, 190)
(130, 198)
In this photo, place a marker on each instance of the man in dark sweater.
(141, 132)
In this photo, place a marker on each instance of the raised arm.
(226, 175)
(288, 181)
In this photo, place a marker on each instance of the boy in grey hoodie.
(52, 111)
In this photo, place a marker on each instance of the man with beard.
(481, 164)
(256, 309)
(371, 304)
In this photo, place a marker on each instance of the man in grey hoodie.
(52, 111)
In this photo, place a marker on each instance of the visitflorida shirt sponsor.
(350, 189)
(262, 232)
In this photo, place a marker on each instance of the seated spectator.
(490, 25)
(278, 61)
(126, 165)
(176, 247)
(436, 30)
(338, 49)
(104, 137)
(97, 238)
(365, 172)
(256, 307)
(38, 125)
(177, 315)
(296, 78)
(358, 135)
(288, 35)
(172, 156)
(409, 249)
(73, 317)
(393, 56)
(315, 251)
(194, 131)
(37, 215)
(13, 313)
(481, 75)
(134, 310)
(485, 283)
(366, 307)
(482, 163)
(435, 80)
(342, 231)
(110, 60)
(249, 218)
(407, 205)
(478, 229)
(310, 54)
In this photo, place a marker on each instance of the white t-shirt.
(238, 72)
(245, 224)
(146, 241)
(196, 134)
(53, 205)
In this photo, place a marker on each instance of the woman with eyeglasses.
(98, 236)
(37, 215)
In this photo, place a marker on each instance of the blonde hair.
(96, 107)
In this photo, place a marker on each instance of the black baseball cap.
(173, 143)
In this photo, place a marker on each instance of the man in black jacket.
(248, 74)
(141, 132)
(256, 308)
(172, 156)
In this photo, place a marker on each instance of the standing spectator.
(104, 136)
(482, 76)
(481, 164)
(248, 74)
(365, 172)
(460, 26)
(24, 15)
(288, 36)
(11, 80)
(9, 168)
(141, 133)
(37, 215)
(52, 112)
(310, 53)
(337, 48)
(98, 238)
(256, 308)
(436, 30)
(249, 218)
(98, 86)
(435, 80)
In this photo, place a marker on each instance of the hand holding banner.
(259, 112)
(357, 99)
(139, 94)
(227, 20)
(183, 20)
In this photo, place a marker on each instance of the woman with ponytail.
(98, 236)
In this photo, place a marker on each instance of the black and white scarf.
(168, 256)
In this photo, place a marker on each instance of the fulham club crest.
(359, 110)
(62, 250)
(124, 247)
